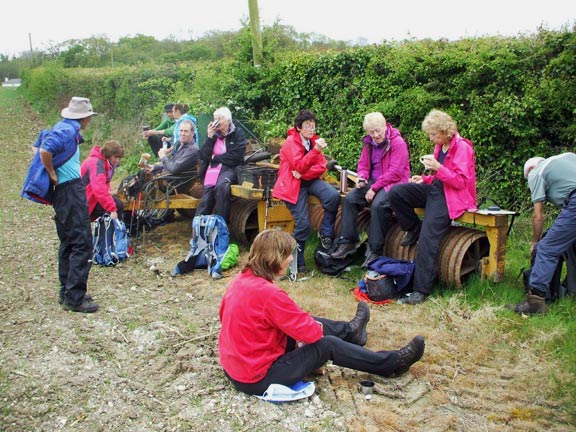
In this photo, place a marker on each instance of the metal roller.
(461, 254)
(243, 223)
(315, 213)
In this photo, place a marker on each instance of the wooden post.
(256, 34)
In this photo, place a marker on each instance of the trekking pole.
(266, 197)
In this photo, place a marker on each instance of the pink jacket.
(458, 173)
(97, 173)
(293, 156)
(395, 164)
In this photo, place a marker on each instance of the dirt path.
(147, 361)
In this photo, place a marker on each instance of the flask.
(343, 180)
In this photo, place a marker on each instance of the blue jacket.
(62, 141)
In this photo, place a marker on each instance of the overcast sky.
(54, 21)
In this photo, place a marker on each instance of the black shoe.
(370, 259)
(326, 242)
(411, 237)
(359, 323)
(343, 250)
(413, 298)
(409, 355)
(87, 297)
(84, 307)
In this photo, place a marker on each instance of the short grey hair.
(223, 112)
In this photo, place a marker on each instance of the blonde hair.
(373, 120)
(268, 251)
(439, 121)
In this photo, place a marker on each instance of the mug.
(424, 157)
(367, 387)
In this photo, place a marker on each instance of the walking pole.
(266, 197)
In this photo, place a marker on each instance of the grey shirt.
(553, 179)
(183, 160)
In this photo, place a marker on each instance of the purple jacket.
(458, 173)
(395, 165)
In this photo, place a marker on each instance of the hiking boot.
(84, 307)
(409, 355)
(359, 323)
(413, 298)
(534, 304)
(411, 237)
(370, 259)
(343, 250)
(326, 242)
(61, 297)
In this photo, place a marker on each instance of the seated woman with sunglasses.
(267, 339)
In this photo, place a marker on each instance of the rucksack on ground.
(110, 242)
(387, 279)
(332, 266)
(208, 246)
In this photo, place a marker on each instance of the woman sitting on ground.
(267, 339)
(97, 172)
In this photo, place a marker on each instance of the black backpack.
(332, 266)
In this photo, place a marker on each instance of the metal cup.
(367, 387)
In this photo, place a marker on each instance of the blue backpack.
(208, 246)
(111, 241)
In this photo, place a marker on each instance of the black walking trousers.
(298, 363)
(74, 231)
(435, 225)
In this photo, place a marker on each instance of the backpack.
(332, 266)
(111, 241)
(386, 279)
(208, 246)
(137, 220)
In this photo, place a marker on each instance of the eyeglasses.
(309, 126)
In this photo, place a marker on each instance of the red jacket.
(257, 317)
(458, 173)
(97, 173)
(293, 156)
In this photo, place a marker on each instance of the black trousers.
(380, 218)
(74, 231)
(301, 362)
(99, 210)
(435, 225)
(216, 199)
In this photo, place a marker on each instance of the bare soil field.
(148, 359)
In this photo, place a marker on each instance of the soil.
(148, 359)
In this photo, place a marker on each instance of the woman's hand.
(296, 174)
(431, 163)
(320, 144)
(370, 195)
(416, 179)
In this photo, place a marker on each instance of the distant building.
(14, 82)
